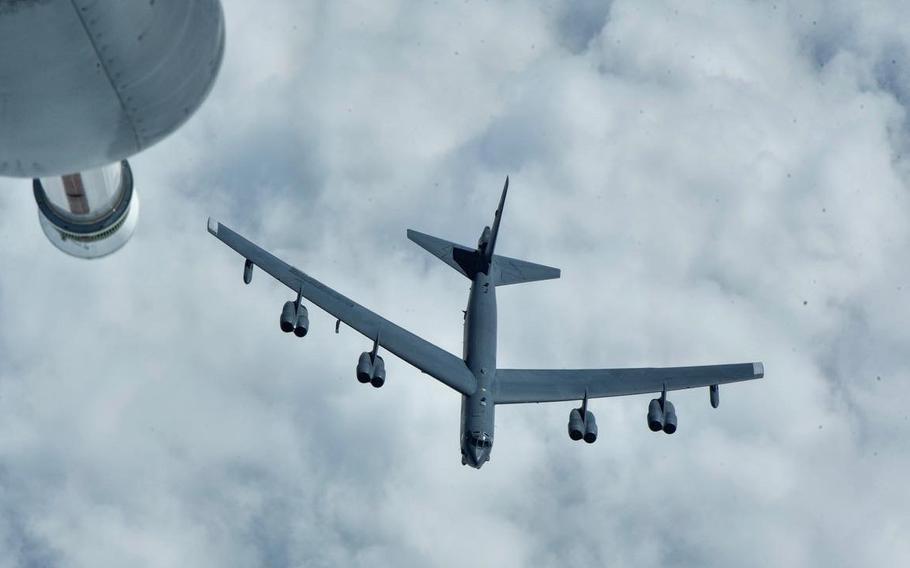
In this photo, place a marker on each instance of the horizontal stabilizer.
(513, 271)
(463, 259)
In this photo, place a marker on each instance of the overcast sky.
(719, 182)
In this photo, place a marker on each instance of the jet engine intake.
(294, 318)
(669, 417)
(288, 317)
(655, 415)
(303, 321)
(365, 367)
(590, 427)
(576, 425)
(378, 377)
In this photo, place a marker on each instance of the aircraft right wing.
(434, 361)
(545, 385)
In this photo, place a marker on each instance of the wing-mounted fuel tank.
(84, 85)
(248, 271)
(714, 395)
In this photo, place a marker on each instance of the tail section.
(469, 262)
(463, 259)
(513, 271)
(497, 217)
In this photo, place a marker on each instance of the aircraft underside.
(475, 376)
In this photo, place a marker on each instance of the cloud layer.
(719, 182)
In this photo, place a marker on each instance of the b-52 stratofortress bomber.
(475, 376)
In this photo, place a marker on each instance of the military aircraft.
(475, 376)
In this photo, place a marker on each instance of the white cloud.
(719, 182)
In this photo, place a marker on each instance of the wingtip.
(758, 369)
(213, 226)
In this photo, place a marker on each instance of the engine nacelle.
(378, 377)
(590, 428)
(714, 391)
(294, 318)
(365, 367)
(669, 418)
(576, 425)
(288, 317)
(655, 416)
(303, 321)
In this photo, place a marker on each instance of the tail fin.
(469, 261)
(491, 243)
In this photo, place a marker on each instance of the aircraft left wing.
(544, 385)
(429, 358)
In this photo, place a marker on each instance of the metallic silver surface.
(85, 83)
(88, 214)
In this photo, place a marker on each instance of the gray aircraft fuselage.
(478, 409)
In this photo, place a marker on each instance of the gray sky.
(719, 181)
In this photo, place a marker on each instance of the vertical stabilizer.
(491, 243)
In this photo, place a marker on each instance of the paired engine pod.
(364, 367)
(371, 369)
(288, 317)
(590, 427)
(294, 318)
(576, 425)
(655, 416)
(669, 418)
